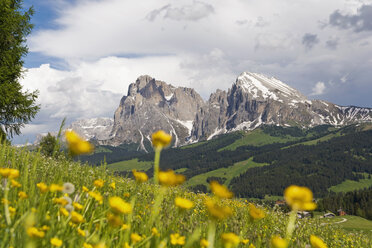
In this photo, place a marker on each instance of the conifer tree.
(17, 106)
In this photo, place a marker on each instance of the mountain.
(253, 100)
(151, 105)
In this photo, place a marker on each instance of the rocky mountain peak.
(262, 87)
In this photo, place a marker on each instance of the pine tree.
(17, 107)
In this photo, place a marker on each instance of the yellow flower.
(56, 242)
(42, 187)
(113, 185)
(177, 239)
(61, 201)
(183, 203)
(169, 178)
(81, 232)
(204, 243)
(230, 239)
(216, 211)
(12, 210)
(76, 217)
(55, 187)
(154, 231)
(45, 228)
(85, 189)
(22, 195)
(99, 183)
(161, 139)
(278, 242)
(119, 206)
(97, 196)
(126, 245)
(135, 238)
(77, 206)
(140, 176)
(316, 242)
(86, 245)
(299, 198)
(245, 241)
(64, 211)
(220, 190)
(114, 220)
(126, 195)
(76, 144)
(9, 173)
(124, 227)
(33, 232)
(15, 184)
(255, 213)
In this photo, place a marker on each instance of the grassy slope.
(228, 173)
(257, 138)
(352, 223)
(128, 165)
(350, 185)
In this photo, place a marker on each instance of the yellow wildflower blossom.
(77, 206)
(112, 185)
(124, 227)
(317, 242)
(255, 212)
(12, 210)
(154, 231)
(278, 242)
(204, 243)
(220, 190)
(86, 245)
(99, 183)
(140, 176)
(42, 187)
(126, 195)
(56, 242)
(55, 187)
(161, 139)
(15, 183)
(299, 198)
(76, 144)
(76, 217)
(64, 212)
(245, 241)
(61, 201)
(135, 238)
(9, 173)
(33, 232)
(114, 220)
(85, 189)
(119, 206)
(169, 178)
(22, 195)
(45, 228)
(177, 239)
(81, 232)
(97, 196)
(183, 203)
(216, 211)
(230, 239)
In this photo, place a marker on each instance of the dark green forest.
(355, 203)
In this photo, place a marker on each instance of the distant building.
(329, 215)
(303, 214)
(341, 212)
(280, 202)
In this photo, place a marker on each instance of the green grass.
(352, 224)
(349, 185)
(101, 149)
(257, 138)
(229, 173)
(105, 208)
(129, 165)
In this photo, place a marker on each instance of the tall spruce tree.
(17, 107)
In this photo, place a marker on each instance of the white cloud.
(318, 89)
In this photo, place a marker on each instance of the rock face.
(93, 129)
(151, 105)
(256, 99)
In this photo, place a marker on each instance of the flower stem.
(156, 165)
(6, 204)
(291, 225)
(211, 233)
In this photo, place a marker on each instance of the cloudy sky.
(83, 54)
